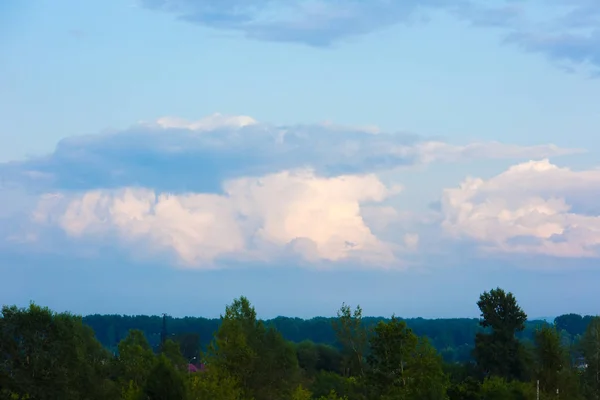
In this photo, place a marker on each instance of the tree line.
(48, 355)
(453, 338)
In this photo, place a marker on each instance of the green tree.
(264, 364)
(499, 352)
(325, 381)
(134, 362)
(213, 384)
(404, 366)
(46, 355)
(497, 388)
(277, 371)
(329, 358)
(164, 382)
(351, 334)
(235, 344)
(467, 389)
(354, 388)
(391, 348)
(332, 396)
(301, 393)
(172, 352)
(189, 344)
(553, 366)
(427, 380)
(130, 391)
(550, 358)
(573, 324)
(308, 356)
(590, 348)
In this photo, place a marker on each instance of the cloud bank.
(230, 189)
(565, 31)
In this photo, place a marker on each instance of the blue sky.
(169, 155)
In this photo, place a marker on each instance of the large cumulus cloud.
(256, 218)
(534, 207)
(228, 188)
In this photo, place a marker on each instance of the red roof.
(192, 368)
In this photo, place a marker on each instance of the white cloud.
(534, 207)
(209, 123)
(373, 129)
(432, 151)
(411, 240)
(318, 217)
(230, 188)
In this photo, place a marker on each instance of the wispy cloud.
(569, 51)
(565, 31)
(319, 22)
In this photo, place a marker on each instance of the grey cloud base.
(198, 157)
(182, 160)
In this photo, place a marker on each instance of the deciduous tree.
(264, 364)
(164, 382)
(553, 366)
(498, 352)
(351, 334)
(403, 365)
(590, 347)
(134, 361)
(45, 355)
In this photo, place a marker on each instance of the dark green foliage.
(50, 356)
(403, 365)
(550, 358)
(324, 382)
(44, 355)
(258, 357)
(573, 324)
(164, 382)
(351, 335)
(467, 389)
(496, 388)
(308, 356)
(499, 352)
(172, 351)
(189, 345)
(134, 361)
(213, 384)
(590, 349)
(452, 337)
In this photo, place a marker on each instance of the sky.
(171, 155)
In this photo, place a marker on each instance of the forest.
(502, 355)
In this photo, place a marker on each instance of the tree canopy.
(49, 355)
